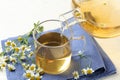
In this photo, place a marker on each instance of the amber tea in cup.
(55, 54)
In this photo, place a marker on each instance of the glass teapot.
(100, 18)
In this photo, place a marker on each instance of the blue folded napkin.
(94, 54)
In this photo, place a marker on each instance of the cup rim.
(46, 45)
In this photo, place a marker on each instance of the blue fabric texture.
(100, 62)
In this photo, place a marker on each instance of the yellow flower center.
(31, 54)
(75, 75)
(13, 60)
(32, 78)
(3, 65)
(8, 43)
(16, 49)
(10, 68)
(23, 48)
(32, 68)
(38, 78)
(28, 75)
(89, 71)
(19, 38)
(13, 45)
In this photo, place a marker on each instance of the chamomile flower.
(8, 43)
(6, 58)
(11, 67)
(19, 38)
(25, 48)
(75, 75)
(84, 71)
(39, 70)
(28, 74)
(3, 65)
(13, 59)
(28, 48)
(38, 76)
(32, 77)
(32, 67)
(23, 57)
(89, 70)
(30, 54)
(13, 44)
(25, 66)
(17, 49)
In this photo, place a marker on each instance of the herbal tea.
(54, 55)
(103, 17)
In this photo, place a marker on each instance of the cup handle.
(70, 18)
(80, 52)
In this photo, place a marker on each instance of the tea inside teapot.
(102, 17)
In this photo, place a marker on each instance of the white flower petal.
(13, 59)
(84, 71)
(75, 74)
(90, 70)
(11, 67)
(23, 57)
(8, 43)
(28, 74)
(32, 67)
(13, 44)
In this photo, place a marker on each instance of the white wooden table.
(17, 17)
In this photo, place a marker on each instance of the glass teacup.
(53, 46)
